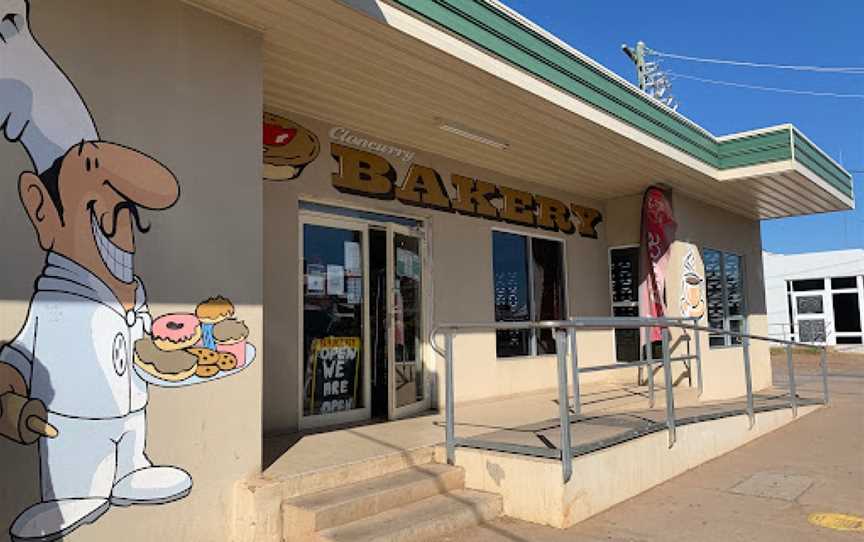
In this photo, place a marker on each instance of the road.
(764, 491)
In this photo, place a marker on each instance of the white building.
(816, 297)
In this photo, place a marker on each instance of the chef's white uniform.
(75, 351)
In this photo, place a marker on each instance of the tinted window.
(838, 283)
(811, 304)
(734, 294)
(624, 282)
(808, 284)
(724, 287)
(714, 288)
(811, 331)
(510, 270)
(547, 257)
(624, 276)
(529, 286)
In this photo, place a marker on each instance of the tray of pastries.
(184, 349)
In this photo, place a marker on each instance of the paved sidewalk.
(763, 491)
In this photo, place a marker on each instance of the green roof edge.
(490, 27)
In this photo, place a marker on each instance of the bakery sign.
(369, 174)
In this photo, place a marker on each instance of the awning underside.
(397, 75)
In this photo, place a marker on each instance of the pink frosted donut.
(176, 331)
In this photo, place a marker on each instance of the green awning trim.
(488, 27)
(817, 162)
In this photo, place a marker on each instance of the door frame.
(322, 218)
(358, 414)
(395, 412)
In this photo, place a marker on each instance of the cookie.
(207, 371)
(226, 361)
(205, 356)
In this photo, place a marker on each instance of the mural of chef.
(71, 379)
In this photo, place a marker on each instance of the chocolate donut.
(172, 366)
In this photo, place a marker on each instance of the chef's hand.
(11, 381)
(22, 420)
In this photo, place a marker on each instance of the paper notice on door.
(315, 279)
(403, 263)
(415, 266)
(407, 264)
(354, 290)
(335, 280)
(352, 259)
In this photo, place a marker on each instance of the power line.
(770, 89)
(849, 70)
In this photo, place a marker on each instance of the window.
(812, 331)
(528, 274)
(724, 287)
(806, 285)
(624, 280)
(839, 283)
(809, 304)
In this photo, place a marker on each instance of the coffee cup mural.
(692, 292)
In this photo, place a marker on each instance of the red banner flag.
(658, 233)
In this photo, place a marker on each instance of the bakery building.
(423, 163)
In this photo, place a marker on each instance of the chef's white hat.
(39, 106)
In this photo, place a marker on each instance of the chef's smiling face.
(91, 213)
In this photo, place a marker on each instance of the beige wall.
(185, 87)
(460, 250)
(623, 217)
(702, 226)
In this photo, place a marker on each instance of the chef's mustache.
(133, 212)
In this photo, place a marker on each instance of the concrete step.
(307, 514)
(428, 519)
(294, 484)
(257, 512)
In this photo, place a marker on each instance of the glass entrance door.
(406, 322)
(334, 358)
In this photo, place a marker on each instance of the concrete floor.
(763, 492)
(608, 410)
(509, 418)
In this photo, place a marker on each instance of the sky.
(765, 31)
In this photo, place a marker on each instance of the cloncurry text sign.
(366, 174)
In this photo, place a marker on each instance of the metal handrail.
(566, 344)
